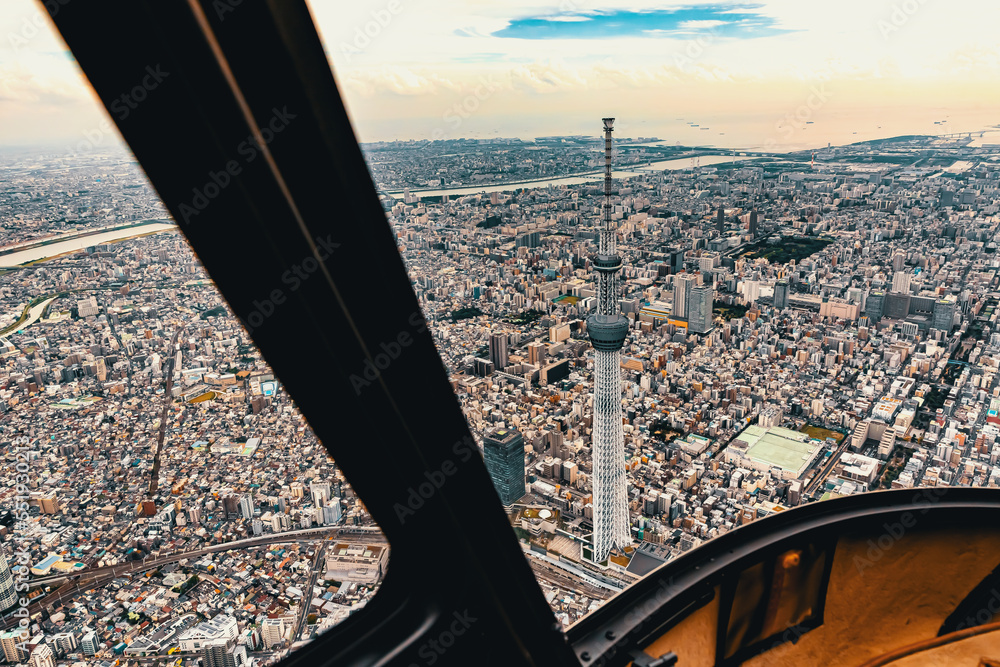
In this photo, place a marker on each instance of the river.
(57, 247)
(595, 178)
(33, 316)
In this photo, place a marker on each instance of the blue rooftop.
(50, 561)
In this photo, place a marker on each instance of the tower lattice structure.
(607, 329)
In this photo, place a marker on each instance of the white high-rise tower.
(683, 284)
(8, 596)
(608, 329)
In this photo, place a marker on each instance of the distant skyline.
(440, 69)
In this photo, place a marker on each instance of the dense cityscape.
(800, 327)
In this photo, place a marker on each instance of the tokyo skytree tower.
(608, 329)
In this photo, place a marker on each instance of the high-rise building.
(246, 507)
(707, 263)
(528, 240)
(897, 306)
(700, 301)
(554, 372)
(781, 294)
(503, 451)
(682, 286)
(901, 282)
(223, 652)
(753, 223)
(676, 261)
(320, 492)
(944, 315)
(331, 514)
(720, 220)
(214, 653)
(536, 353)
(65, 642)
(232, 506)
(875, 306)
(498, 350)
(10, 642)
(482, 367)
(898, 261)
(42, 656)
(88, 642)
(280, 522)
(49, 504)
(8, 596)
(608, 329)
(272, 631)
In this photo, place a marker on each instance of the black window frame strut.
(243, 134)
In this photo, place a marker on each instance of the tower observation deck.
(608, 329)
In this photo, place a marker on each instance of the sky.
(785, 73)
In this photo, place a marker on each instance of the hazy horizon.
(771, 74)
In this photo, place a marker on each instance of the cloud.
(20, 85)
(570, 18)
(398, 81)
(700, 25)
(741, 22)
(546, 78)
(972, 60)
